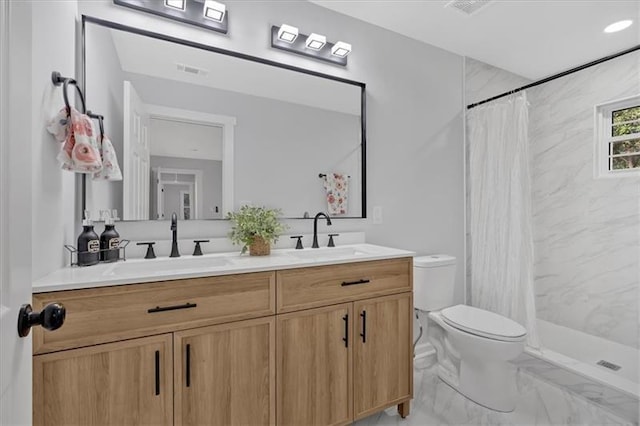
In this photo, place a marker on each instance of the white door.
(136, 155)
(15, 221)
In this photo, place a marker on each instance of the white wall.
(105, 96)
(53, 190)
(183, 139)
(273, 167)
(414, 120)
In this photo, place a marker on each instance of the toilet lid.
(483, 323)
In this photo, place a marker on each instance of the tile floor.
(540, 403)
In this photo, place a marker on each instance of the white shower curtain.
(500, 211)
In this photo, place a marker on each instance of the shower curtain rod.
(556, 76)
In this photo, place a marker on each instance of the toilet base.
(490, 384)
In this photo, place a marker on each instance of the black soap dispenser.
(88, 243)
(109, 239)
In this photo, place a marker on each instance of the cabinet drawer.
(109, 314)
(325, 285)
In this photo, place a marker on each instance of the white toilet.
(473, 346)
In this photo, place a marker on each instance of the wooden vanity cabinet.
(122, 383)
(336, 347)
(314, 367)
(97, 370)
(225, 374)
(382, 354)
(343, 362)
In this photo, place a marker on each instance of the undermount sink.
(328, 253)
(165, 265)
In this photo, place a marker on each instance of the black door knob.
(50, 318)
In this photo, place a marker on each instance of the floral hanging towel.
(110, 168)
(80, 151)
(336, 186)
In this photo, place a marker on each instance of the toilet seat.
(483, 323)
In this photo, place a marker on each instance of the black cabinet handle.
(188, 372)
(171, 308)
(346, 330)
(363, 281)
(157, 372)
(364, 326)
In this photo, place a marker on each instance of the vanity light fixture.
(287, 33)
(315, 41)
(314, 45)
(214, 10)
(341, 49)
(214, 16)
(176, 4)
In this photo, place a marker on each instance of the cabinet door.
(382, 353)
(314, 367)
(121, 383)
(225, 374)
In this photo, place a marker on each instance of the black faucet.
(174, 229)
(315, 228)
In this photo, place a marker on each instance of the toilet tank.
(433, 281)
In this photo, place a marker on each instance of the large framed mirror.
(201, 131)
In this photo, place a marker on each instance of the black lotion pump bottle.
(109, 239)
(88, 243)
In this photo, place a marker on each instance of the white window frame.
(603, 126)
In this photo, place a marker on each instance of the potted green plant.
(256, 228)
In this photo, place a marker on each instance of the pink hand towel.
(336, 186)
(110, 168)
(80, 151)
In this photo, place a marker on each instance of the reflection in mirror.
(201, 133)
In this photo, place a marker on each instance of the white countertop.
(164, 268)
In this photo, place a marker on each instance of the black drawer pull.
(364, 326)
(188, 362)
(171, 308)
(346, 330)
(157, 372)
(346, 283)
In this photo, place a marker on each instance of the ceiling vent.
(192, 70)
(468, 7)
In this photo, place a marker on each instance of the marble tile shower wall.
(586, 229)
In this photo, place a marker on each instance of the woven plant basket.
(260, 247)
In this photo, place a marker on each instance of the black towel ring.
(58, 79)
(100, 119)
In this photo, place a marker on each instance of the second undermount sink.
(167, 265)
(329, 253)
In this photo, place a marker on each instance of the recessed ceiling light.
(618, 26)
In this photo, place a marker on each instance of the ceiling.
(137, 54)
(531, 38)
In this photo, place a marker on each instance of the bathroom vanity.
(316, 337)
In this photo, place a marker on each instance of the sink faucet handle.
(299, 243)
(150, 253)
(197, 251)
(331, 243)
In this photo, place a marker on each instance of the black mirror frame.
(113, 25)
